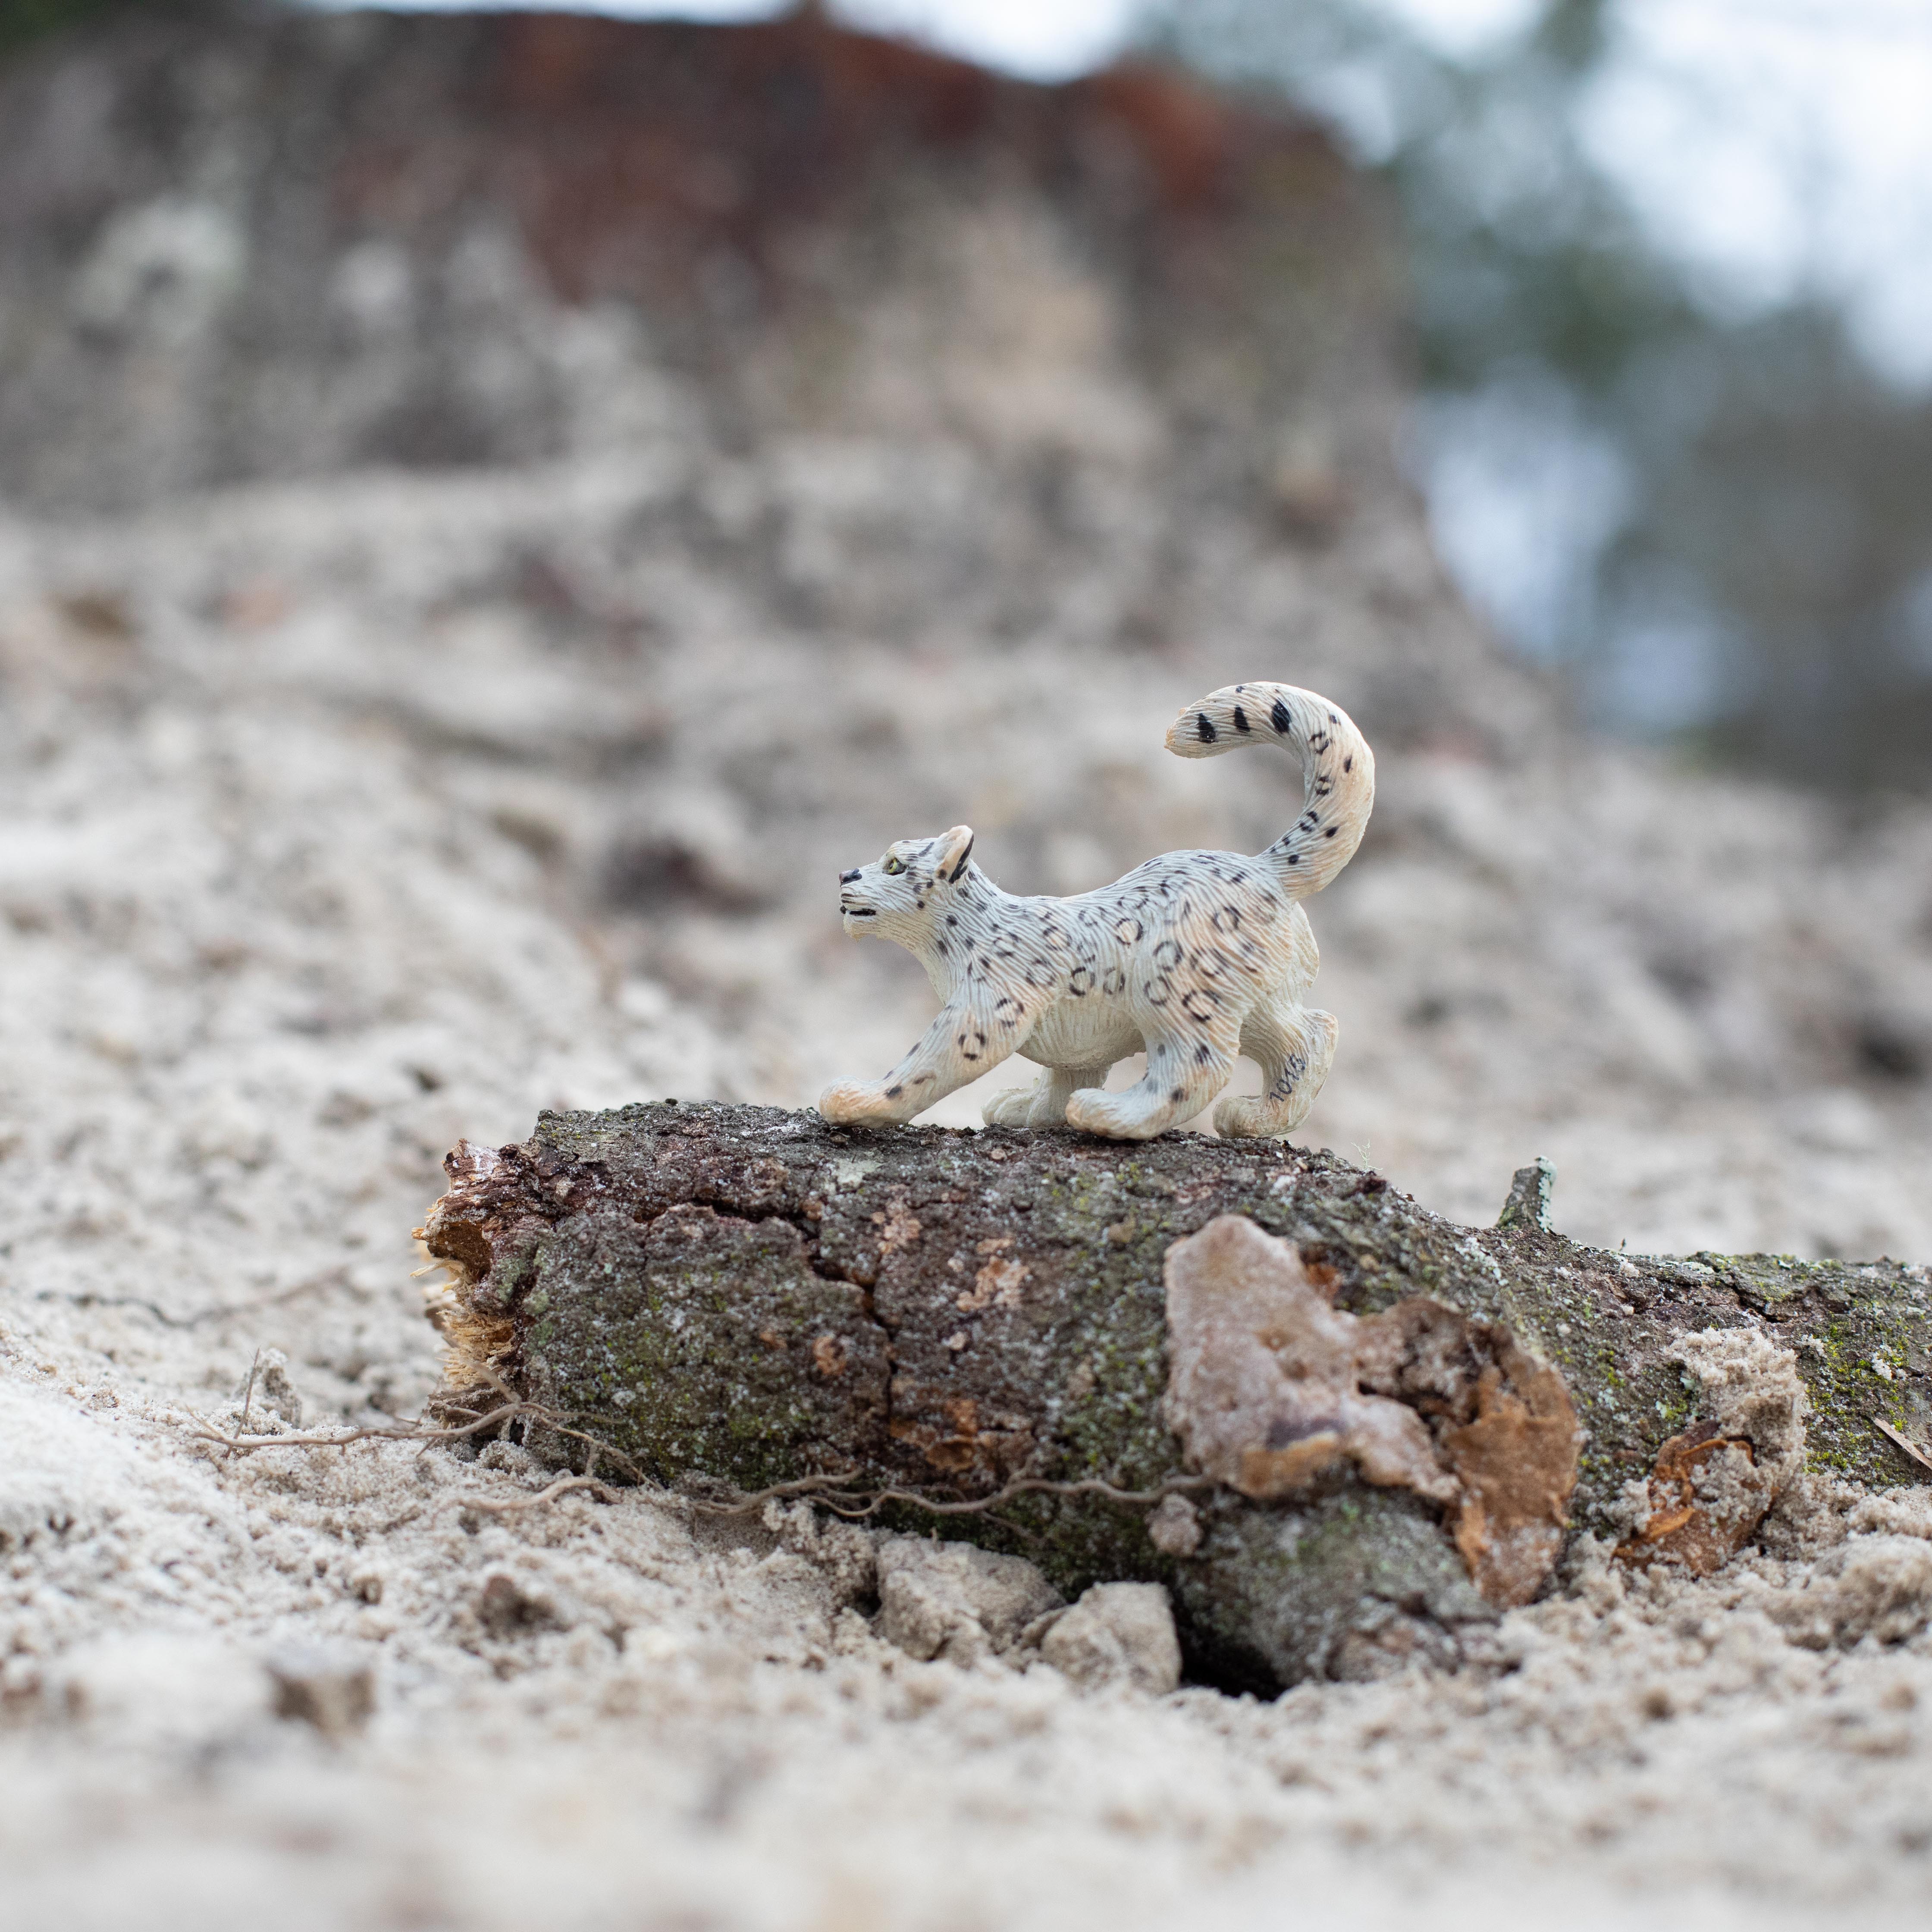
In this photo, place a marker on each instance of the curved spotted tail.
(1338, 770)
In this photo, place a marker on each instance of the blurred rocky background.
(496, 510)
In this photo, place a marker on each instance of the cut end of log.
(463, 1235)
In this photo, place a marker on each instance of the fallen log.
(1339, 1447)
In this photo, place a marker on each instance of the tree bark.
(753, 1297)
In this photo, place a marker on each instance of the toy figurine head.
(893, 898)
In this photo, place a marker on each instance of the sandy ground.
(324, 840)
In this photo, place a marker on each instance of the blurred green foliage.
(24, 21)
(1778, 523)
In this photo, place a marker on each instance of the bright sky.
(1040, 39)
(1779, 144)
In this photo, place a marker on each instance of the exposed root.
(829, 1490)
(834, 1492)
(416, 1432)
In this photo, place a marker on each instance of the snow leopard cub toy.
(1197, 956)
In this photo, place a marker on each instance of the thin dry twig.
(1905, 1443)
(415, 1432)
(511, 1505)
(333, 1277)
(248, 1393)
(340, 1439)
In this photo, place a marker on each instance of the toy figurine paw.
(850, 1103)
(1246, 1119)
(1013, 1108)
(1119, 1116)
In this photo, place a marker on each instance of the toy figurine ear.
(955, 849)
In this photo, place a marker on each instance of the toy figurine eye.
(893, 865)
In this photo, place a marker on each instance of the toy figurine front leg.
(965, 1041)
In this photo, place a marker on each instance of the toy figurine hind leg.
(1044, 1103)
(1294, 1046)
(1186, 1068)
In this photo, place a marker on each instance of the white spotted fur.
(1198, 957)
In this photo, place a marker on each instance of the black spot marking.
(1168, 952)
(1204, 725)
(893, 1093)
(1179, 1093)
(1349, 762)
(1240, 719)
(1319, 741)
(1198, 1005)
(1331, 832)
(952, 919)
(1081, 982)
(1295, 858)
(1204, 1053)
(1280, 719)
